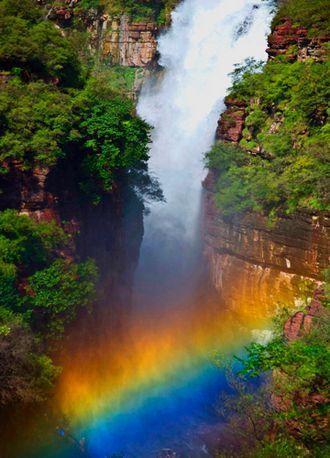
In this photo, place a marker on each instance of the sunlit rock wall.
(127, 43)
(254, 263)
(250, 261)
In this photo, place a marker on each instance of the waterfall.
(152, 386)
(206, 39)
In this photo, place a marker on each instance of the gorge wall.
(251, 261)
(112, 229)
(113, 40)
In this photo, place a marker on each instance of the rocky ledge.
(295, 42)
(231, 124)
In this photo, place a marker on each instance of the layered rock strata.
(117, 40)
(252, 263)
(258, 266)
(131, 44)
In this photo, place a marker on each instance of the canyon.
(177, 278)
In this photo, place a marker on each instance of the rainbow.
(154, 381)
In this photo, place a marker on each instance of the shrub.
(313, 15)
(27, 244)
(286, 138)
(113, 137)
(36, 122)
(141, 10)
(35, 281)
(57, 293)
(35, 46)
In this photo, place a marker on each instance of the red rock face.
(295, 42)
(258, 266)
(62, 12)
(284, 36)
(231, 123)
(301, 322)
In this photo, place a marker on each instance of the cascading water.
(152, 386)
(206, 40)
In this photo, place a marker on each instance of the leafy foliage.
(42, 120)
(40, 124)
(140, 10)
(287, 413)
(116, 79)
(53, 289)
(28, 244)
(26, 373)
(35, 47)
(313, 15)
(56, 294)
(286, 141)
(40, 294)
(36, 123)
(112, 135)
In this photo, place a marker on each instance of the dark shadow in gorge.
(111, 233)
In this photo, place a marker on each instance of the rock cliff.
(122, 42)
(294, 42)
(253, 263)
(117, 40)
(250, 261)
(113, 229)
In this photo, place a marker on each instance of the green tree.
(113, 137)
(35, 280)
(35, 46)
(35, 124)
(55, 295)
(282, 163)
(28, 244)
